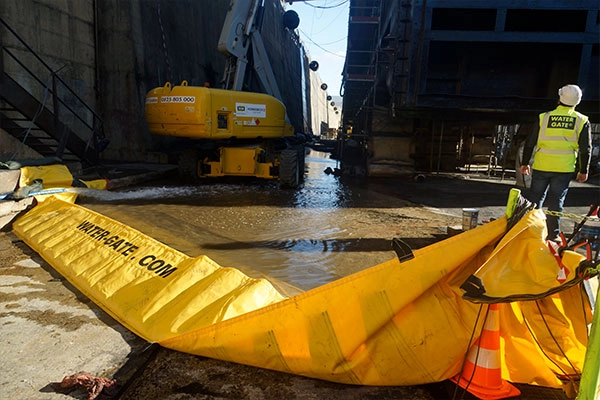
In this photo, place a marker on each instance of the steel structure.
(430, 78)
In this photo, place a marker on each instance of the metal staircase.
(45, 114)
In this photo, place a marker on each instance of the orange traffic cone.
(481, 375)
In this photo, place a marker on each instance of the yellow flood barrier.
(397, 323)
(57, 180)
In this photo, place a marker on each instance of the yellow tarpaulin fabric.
(533, 268)
(392, 324)
(56, 180)
(56, 175)
(100, 184)
(152, 289)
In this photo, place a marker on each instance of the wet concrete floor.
(299, 239)
(326, 229)
(329, 228)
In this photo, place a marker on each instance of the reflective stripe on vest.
(543, 136)
(558, 140)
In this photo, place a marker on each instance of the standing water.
(303, 238)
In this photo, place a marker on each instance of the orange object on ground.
(482, 375)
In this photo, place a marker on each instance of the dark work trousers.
(550, 188)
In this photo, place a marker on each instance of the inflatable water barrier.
(21, 186)
(402, 322)
(42, 181)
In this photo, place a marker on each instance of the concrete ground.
(49, 330)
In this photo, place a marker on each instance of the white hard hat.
(570, 95)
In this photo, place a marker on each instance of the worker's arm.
(530, 143)
(585, 153)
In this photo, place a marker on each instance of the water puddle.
(305, 237)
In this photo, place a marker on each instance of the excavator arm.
(240, 39)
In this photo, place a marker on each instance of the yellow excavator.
(238, 133)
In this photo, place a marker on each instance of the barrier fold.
(396, 323)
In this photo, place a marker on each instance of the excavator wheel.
(289, 168)
(301, 162)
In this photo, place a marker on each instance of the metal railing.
(77, 115)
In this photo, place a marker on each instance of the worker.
(563, 146)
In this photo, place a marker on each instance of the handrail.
(58, 98)
(97, 125)
(15, 34)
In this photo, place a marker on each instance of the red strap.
(563, 271)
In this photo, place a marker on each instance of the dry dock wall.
(426, 80)
(62, 34)
(113, 52)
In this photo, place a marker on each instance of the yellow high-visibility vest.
(557, 145)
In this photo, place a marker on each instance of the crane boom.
(240, 38)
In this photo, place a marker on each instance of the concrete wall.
(12, 149)
(143, 44)
(318, 104)
(322, 114)
(62, 34)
